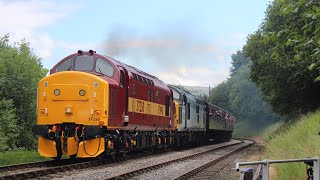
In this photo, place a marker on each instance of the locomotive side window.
(167, 105)
(176, 95)
(151, 96)
(65, 66)
(84, 63)
(104, 67)
(188, 107)
(134, 88)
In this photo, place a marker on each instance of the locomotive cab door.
(123, 82)
(184, 114)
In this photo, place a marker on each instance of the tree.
(238, 60)
(219, 95)
(281, 50)
(9, 126)
(20, 72)
(243, 99)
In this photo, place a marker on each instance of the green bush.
(9, 128)
(20, 72)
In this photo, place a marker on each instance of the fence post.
(316, 169)
(265, 170)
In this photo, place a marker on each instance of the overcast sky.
(181, 42)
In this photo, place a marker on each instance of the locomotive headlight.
(56, 92)
(82, 92)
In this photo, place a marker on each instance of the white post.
(316, 169)
(265, 170)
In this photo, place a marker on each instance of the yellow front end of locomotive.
(77, 98)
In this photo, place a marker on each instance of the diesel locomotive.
(93, 105)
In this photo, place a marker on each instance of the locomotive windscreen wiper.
(99, 70)
(69, 68)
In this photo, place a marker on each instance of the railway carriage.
(220, 123)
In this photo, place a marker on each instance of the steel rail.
(52, 166)
(133, 173)
(211, 163)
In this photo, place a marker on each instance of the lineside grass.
(20, 156)
(299, 140)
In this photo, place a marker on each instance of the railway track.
(37, 169)
(149, 172)
(7, 169)
(49, 168)
(33, 170)
(207, 170)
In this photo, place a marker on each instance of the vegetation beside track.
(298, 140)
(20, 156)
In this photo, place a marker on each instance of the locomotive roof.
(197, 98)
(186, 92)
(139, 72)
(135, 70)
(131, 70)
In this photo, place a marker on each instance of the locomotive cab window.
(104, 67)
(65, 66)
(84, 63)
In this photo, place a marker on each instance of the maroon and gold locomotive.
(92, 105)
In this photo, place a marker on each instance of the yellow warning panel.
(91, 148)
(46, 147)
(71, 146)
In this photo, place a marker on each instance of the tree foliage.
(242, 98)
(220, 95)
(9, 126)
(20, 72)
(238, 60)
(285, 56)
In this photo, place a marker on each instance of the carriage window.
(84, 63)
(104, 67)
(65, 66)
(197, 109)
